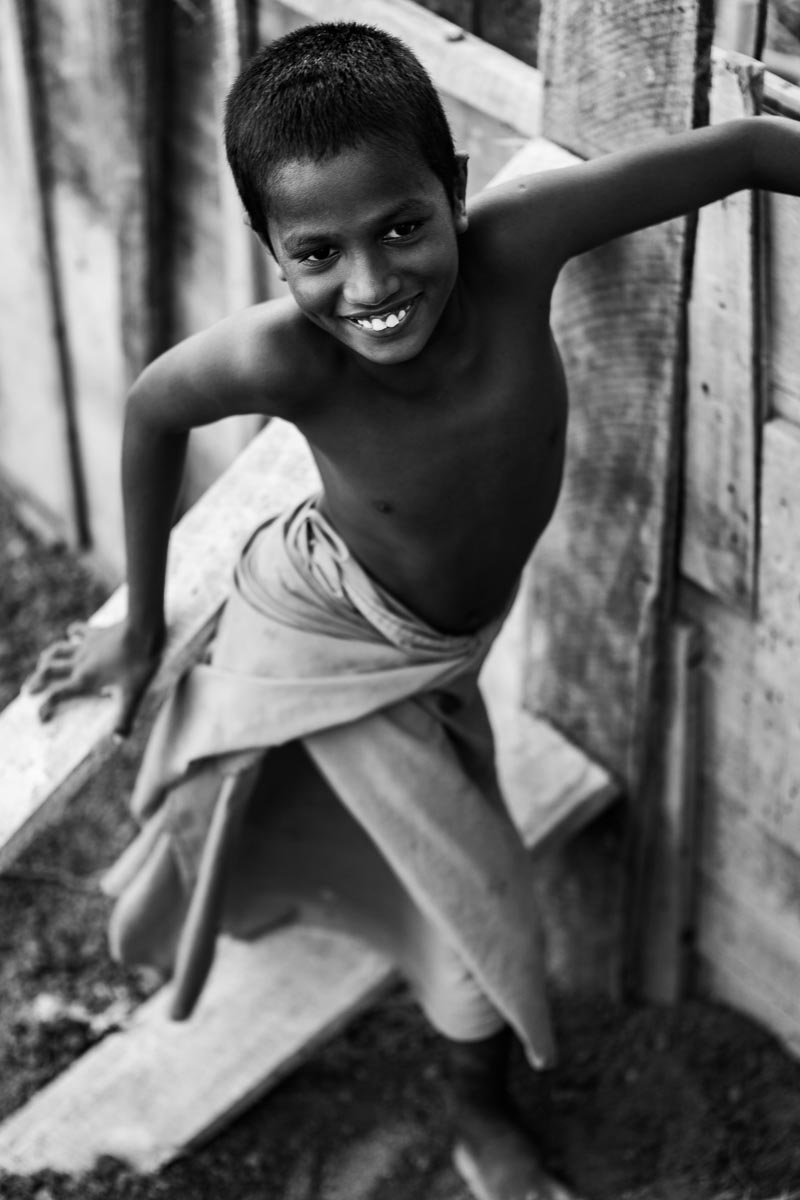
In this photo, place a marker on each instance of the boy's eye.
(320, 255)
(403, 229)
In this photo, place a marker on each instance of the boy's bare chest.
(443, 496)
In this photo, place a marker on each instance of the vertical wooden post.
(89, 64)
(214, 253)
(36, 427)
(664, 899)
(615, 74)
(724, 407)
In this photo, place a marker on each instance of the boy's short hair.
(325, 88)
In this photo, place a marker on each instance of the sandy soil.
(692, 1103)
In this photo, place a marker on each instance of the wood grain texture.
(214, 254)
(616, 72)
(750, 837)
(94, 144)
(783, 273)
(723, 404)
(34, 451)
(603, 569)
(750, 962)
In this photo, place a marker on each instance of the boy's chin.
(386, 351)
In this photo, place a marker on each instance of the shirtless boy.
(415, 354)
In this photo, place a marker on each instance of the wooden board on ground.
(152, 1091)
(723, 403)
(34, 434)
(615, 76)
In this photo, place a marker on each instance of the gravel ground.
(692, 1103)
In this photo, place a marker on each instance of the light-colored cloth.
(389, 710)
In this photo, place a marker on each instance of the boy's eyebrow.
(306, 239)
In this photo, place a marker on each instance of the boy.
(415, 354)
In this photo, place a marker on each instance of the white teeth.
(379, 324)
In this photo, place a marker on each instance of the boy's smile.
(367, 241)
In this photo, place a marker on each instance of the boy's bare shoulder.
(515, 230)
(267, 359)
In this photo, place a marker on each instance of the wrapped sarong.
(309, 647)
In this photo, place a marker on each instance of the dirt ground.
(691, 1103)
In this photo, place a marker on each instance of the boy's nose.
(370, 280)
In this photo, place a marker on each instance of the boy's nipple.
(383, 506)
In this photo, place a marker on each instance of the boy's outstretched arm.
(224, 371)
(558, 214)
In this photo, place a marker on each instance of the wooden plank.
(214, 254)
(723, 404)
(34, 450)
(153, 1091)
(43, 766)
(751, 766)
(94, 115)
(604, 566)
(665, 914)
(617, 74)
(486, 79)
(780, 96)
(748, 961)
(739, 26)
(782, 272)
(551, 787)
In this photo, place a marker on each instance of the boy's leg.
(493, 1152)
(304, 843)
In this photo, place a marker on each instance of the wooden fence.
(662, 614)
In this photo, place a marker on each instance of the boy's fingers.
(45, 672)
(49, 706)
(76, 629)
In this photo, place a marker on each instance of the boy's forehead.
(363, 179)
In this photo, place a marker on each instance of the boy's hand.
(95, 659)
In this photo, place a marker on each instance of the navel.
(383, 506)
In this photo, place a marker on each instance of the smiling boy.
(414, 352)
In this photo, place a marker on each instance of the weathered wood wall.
(615, 74)
(748, 904)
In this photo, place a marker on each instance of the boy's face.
(367, 242)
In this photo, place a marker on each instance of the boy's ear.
(460, 194)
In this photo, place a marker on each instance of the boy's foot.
(496, 1160)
